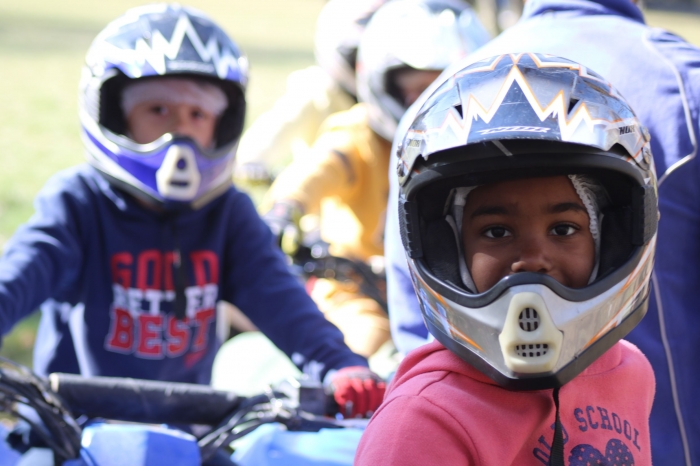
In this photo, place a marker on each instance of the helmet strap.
(556, 456)
(174, 90)
(457, 200)
(463, 269)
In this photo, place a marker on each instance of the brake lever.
(306, 422)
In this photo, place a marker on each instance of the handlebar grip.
(146, 401)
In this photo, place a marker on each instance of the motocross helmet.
(148, 42)
(420, 34)
(338, 30)
(528, 116)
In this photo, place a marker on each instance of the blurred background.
(42, 47)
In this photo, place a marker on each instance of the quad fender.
(136, 445)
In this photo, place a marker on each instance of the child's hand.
(252, 173)
(357, 390)
(283, 221)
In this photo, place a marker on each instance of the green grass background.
(42, 46)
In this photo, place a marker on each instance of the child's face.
(149, 120)
(413, 82)
(529, 225)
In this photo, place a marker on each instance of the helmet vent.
(531, 351)
(572, 104)
(529, 320)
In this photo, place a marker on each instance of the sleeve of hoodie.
(259, 283)
(44, 255)
(411, 430)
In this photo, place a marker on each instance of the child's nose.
(532, 257)
(183, 123)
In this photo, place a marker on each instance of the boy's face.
(529, 225)
(413, 82)
(149, 120)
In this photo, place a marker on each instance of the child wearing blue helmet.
(128, 255)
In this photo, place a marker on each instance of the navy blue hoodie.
(101, 266)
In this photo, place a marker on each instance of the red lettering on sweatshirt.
(149, 270)
(203, 262)
(141, 320)
(121, 333)
(150, 344)
(120, 273)
(178, 335)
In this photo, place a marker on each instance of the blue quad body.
(273, 445)
(136, 445)
(106, 444)
(8, 456)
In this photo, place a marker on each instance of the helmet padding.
(175, 90)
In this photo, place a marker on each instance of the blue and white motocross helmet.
(147, 42)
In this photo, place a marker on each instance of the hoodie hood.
(584, 8)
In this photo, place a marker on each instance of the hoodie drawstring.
(180, 279)
(556, 457)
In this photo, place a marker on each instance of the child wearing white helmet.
(286, 131)
(528, 213)
(404, 47)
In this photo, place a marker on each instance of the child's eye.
(563, 230)
(158, 109)
(198, 114)
(497, 232)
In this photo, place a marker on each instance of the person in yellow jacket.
(287, 130)
(406, 44)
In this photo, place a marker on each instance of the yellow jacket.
(290, 127)
(345, 179)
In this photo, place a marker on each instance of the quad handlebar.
(146, 401)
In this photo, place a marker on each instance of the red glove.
(357, 390)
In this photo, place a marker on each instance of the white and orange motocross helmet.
(339, 27)
(520, 116)
(424, 35)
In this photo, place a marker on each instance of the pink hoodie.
(439, 410)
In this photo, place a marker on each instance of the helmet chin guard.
(528, 116)
(530, 341)
(178, 177)
(501, 339)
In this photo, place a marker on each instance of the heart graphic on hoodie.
(616, 454)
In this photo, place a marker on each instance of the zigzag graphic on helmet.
(461, 126)
(162, 48)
